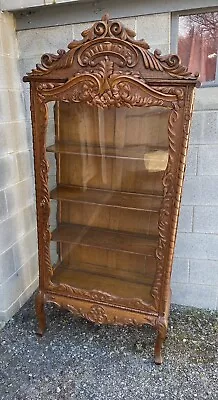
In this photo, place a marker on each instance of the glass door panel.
(106, 170)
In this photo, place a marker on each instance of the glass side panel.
(106, 170)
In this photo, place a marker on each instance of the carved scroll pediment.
(110, 39)
(106, 89)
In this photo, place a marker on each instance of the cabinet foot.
(40, 313)
(161, 336)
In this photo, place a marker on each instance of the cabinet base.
(103, 314)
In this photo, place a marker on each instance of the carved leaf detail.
(103, 315)
(98, 296)
(111, 39)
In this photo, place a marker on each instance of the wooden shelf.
(105, 239)
(131, 152)
(108, 198)
(81, 276)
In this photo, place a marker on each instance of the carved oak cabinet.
(111, 170)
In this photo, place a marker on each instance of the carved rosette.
(103, 315)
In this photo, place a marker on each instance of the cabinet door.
(107, 168)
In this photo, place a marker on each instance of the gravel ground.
(79, 360)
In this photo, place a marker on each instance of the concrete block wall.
(18, 257)
(195, 274)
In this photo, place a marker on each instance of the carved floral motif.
(111, 39)
(103, 315)
(167, 203)
(101, 297)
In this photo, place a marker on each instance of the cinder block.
(204, 272)
(20, 195)
(24, 249)
(26, 100)
(3, 206)
(200, 190)
(205, 219)
(192, 160)
(9, 77)
(180, 272)
(28, 134)
(8, 314)
(28, 292)
(26, 63)
(11, 290)
(130, 22)
(14, 136)
(45, 40)
(206, 99)
(7, 234)
(208, 160)
(197, 246)
(25, 220)
(154, 28)
(77, 29)
(7, 267)
(11, 106)
(8, 36)
(9, 172)
(4, 147)
(11, 229)
(25, 164)
(196, 129)
(194, 295)
(185, 219)
(204, 128)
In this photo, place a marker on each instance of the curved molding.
(101, 314)
(105, 89)
(111, 39)
(101, 297)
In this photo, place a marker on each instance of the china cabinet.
(109, 174)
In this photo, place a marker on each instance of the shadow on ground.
(79, 360)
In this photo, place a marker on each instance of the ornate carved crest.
(110, 41)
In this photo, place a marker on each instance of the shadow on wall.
(18, 243)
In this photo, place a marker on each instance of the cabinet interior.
(106, 172)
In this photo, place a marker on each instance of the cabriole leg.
(40, 312)
(161, 336)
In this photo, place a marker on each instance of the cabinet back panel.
(109, 173)
(111, 217)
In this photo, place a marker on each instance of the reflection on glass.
(198, 44)
(108, 168)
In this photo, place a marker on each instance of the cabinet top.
(108, 48)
